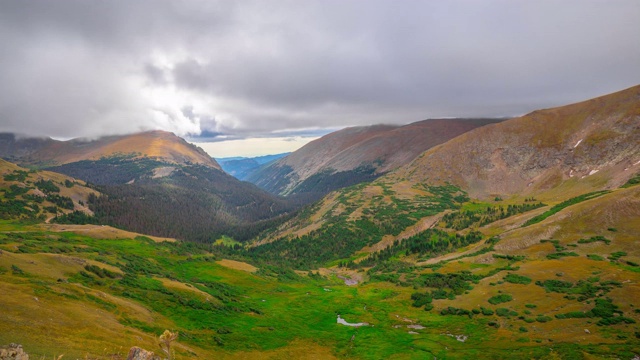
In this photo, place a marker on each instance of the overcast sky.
(297, 69)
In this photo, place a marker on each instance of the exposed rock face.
(137, 353)
(13, 352)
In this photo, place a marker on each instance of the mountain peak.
(157, 144)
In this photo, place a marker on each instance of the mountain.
(243, 167)
(356, 154)
(159, 145)
(156, 183)
(590, 145)
(550, 155)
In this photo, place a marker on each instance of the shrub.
(499, 299)
(543, 318)
(517, 279)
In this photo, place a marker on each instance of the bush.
(517, 279)
(543, 319)
(16, 270)
(499, 299)
(503, 312)
(421, 299)
(47, 186)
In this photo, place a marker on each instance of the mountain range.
(242, 167)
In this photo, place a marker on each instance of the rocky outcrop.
(13, 352)
(137, 353)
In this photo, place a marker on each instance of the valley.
(510, 239)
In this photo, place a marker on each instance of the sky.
(256, 77)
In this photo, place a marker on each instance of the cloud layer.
(253, 68)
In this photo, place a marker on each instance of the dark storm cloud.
(241, 68)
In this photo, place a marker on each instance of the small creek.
(344, 322)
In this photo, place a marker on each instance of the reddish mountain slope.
(595, 143)
(379, 148)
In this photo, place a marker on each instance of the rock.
(137, 353)
(13, 352)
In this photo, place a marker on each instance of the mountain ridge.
(157, 144)
(540, 150)
(357, 152)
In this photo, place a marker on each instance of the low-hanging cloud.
(250, 68)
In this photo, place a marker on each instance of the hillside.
(31, 195)
(195, 203)
(356, 154)
(551, 155)
(593, 144)
(159, 145)
(157, 183)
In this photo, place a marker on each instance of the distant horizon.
(252, 147)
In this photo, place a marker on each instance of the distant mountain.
(156, 183)
(356, 154)
(159, 145)
(242, 167)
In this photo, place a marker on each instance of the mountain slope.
(592, 142)
(551, 155)
(156, 183)
(40, 195)
(160, 145)
(352, 155)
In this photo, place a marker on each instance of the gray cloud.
(250, 68)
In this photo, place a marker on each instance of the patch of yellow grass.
(44, 325)
(297, 349)
(99, 231)
(237, 265)
(177, 285)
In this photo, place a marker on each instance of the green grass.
(221, 310)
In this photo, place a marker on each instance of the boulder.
(13, 352)
(137, 353)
